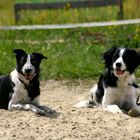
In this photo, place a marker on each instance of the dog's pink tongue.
(28, 76)
(119, 72)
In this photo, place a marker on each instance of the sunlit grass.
(72, 53)
(6, 12)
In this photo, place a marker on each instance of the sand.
(67, 122)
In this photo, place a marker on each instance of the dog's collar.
(25, 84)
(22, 79)
(134, 85)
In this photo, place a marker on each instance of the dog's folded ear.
(135, 57)
(138, 53)
(19, 53)
(107, 56)
(39, 56)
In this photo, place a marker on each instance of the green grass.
(6, 12)
(72, 53)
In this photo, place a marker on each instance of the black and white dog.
(20, 90)
(116, 90)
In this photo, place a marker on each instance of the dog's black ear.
(138, 56)
(135, 56)
(19, 52)
(39, 56)
(108, 55)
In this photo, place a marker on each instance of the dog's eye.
(23, 61)
(33, 61)
(126, 58)
(115, 57)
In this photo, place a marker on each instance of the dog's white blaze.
(120, 60)
(122, 52)
(28, 65)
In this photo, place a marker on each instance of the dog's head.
(28, 64)
(121, 61)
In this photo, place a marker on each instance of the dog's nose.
(28, 70)
(118, 65)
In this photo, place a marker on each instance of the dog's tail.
(88, 103)
(84, 103)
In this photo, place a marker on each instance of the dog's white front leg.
(34, 109)
(27, 107)
(16, 107)
(108, 102)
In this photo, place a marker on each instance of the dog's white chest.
(20, 94)
(119, 95)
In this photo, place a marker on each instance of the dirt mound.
(67, 123)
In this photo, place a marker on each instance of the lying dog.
(20, 90)
(116, 90)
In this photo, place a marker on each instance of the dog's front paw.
(133, 112)
(113, 109)
(49, 110)
(40, 112)
(46, 109)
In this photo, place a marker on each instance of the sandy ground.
(67, 123)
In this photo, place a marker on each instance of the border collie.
(116, 90)
(20, 90)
